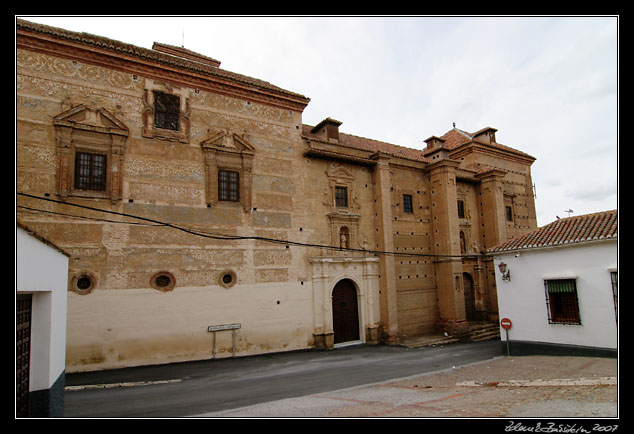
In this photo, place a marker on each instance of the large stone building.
(204, 219)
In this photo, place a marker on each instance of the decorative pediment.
(226, 140)
(338, 171)
(98, 120)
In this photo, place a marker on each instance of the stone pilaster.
(385, 242)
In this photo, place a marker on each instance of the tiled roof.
(566, 231)
(371, 145)
(455, 138)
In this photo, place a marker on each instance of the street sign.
(506, 323)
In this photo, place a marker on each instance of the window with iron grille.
(228, 186)
(166, 111)
(90, 171)
(341, 197)
(561, 301)
(407, 203)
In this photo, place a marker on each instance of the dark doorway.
(345, 315)
(22, 353)
(469, 297)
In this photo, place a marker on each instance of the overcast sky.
(549, 85)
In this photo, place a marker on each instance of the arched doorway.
(469, 297)
(345, 313)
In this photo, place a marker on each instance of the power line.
(217, 236)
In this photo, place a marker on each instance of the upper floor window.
(407, 203)
(461, 209)
(166, 111)
(341, 197)
(228, 186)
(90, 146)
(509, 214)
(90, 171)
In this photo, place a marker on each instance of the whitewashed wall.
(523, 298)
(43, 271)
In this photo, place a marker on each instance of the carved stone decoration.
(149, 129)
(364, 273)
(228, 150)
(344, 220)
(84, 129)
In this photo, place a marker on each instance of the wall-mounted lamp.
(506, 273)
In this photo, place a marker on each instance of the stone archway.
(345, 312)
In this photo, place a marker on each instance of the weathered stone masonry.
(216, 166)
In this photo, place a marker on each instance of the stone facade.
(207, 202)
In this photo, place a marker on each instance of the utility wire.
(221, 236)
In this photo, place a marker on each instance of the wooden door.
(345, 314)
(469, 297)
(22, 353)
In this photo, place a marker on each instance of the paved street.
(195, 388)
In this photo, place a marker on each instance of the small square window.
(407, 203)
(166, 111)
(228, 186)
(341, 197)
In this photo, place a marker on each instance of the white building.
(41, 288)
(558, 287)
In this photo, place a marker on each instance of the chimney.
(434, 142)
(328, 130)
(485, 135)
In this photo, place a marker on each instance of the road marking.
(113, 385)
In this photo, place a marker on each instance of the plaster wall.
(523, 298)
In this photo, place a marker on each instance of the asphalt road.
(193, 388)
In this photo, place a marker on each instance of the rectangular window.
(509, 214)
(228, 186)
(561, 301)
(615, 291)
(461, 209)
(407, 203)
(166, 111)
(341, 197)
(90, 171)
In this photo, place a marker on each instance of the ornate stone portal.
(364, 274)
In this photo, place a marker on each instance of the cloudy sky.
(548, 84)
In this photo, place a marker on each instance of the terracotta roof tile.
(566, 231)
(371, 145)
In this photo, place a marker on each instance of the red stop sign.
(506, 323)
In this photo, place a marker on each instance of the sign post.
(217, 328)
(506, 325)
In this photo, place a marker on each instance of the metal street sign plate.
(216, 328)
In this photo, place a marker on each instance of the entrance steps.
(485, 331)
(478, 332)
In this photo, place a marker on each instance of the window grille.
(407, 203)
(341, 197)
(228, 186)
(166, 111)
(561, 302)
(90, 171)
